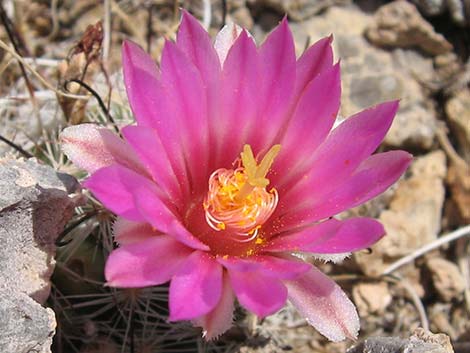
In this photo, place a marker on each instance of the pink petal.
(91, 148)
(225, 39)
(149, 262)
(148, 146)
(187, 101)
(277, 73)
(196, 288)
(220, 318)
(107, 185)
(151, 105)
(298, 240)
(128, 232)
(158, 215)
(136, 198)
(376, 174)
(316, 111)
(257, 292)
(324, 305)
(314, 60)
(342, 152)
(267, 265)
(240, 85)
(311, 122)
(141, 78)
(331, 237)
(194, 41)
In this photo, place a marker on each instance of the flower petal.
(194, 41)
(149, 262)
(303, 238)
(324, 305)
(332, 237)
(157, 213)
(151, 105)
(342, 152)
(376, 174)
(240, 84)
(220, 318)
(311, 122)
(187, 101)
(128, 232)
(91, 148)
(148, 146)
(136, 198)
(225, 39)
(316, 111)
(196, 288)
(314, 60)
(268, 265)
(107, 185)
(259, 293)
(277, 72)
(141, 78)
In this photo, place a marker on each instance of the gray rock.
(458, 13)
(399, 24)
(457, 109)
(35, 205)
(21, 124)
(420, 342)
(431, 7)
(298, 10)
(447, 278)
(26, 326)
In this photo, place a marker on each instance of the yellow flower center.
(237, 200)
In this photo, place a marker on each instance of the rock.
(457, 110)
(297, 10)
(414, 214)
(413, 218)
(20, 123)
(448, 67)
(26, 326)
(437, 339)
(412, 128)
(399, 24)
(371, 75)
(447, 279)
(236, 12)
(420, 342)
(439, 319)
(458, 179)
(371, 298)
(34, 207)
(431, 7)
(438, 7)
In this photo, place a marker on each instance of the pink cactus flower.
(233, 171)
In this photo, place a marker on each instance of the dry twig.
(18, 57)
(459, 233)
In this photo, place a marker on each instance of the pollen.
(237, 200)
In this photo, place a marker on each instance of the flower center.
(237, 200)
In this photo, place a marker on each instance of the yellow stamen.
(256, 173)
(238, 200)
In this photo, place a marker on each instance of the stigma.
(238, 200)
